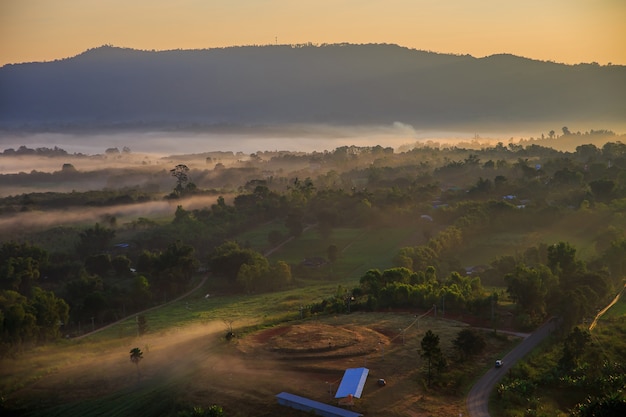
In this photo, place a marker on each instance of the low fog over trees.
(68, 279)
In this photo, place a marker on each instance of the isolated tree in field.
(229, 328)
(181, 173)
(430, 351)
(136, 355)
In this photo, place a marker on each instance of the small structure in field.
(311, 406)
(352, 383)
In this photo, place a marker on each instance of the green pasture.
(359, 250)
(257, 309)
(257, 238)
(482, 250)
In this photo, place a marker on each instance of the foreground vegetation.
(507, 235)
(581, 374)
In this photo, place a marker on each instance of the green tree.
(251, 274)
(94, 240)
(574, 348)
(431, 351)
(19, 274)
(181, 173)
(174, 267)
(141, 294)
(280, 274)
(121, 265)
(469, 342)
(372, 282)
(51, 313)
(226, 260)
(19, 323)
(20, 266)
(136, 355)
(530, 287)
(99, 264)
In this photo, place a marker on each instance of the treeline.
(27, 312)
(42, 151)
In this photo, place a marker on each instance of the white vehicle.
(498, 363)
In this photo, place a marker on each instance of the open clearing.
(196, 365)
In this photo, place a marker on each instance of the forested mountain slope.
(338, 84)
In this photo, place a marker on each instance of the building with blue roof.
(352, 383)
(312, 406)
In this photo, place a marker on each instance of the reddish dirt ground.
(309, 358)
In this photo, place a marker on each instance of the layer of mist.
(70, 216)
(294, 138)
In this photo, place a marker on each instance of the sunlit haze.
(568, 31)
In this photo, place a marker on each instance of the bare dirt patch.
(315, 341)
(308, 359)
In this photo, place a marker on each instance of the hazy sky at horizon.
(568, 31)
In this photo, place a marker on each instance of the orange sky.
(569, 31)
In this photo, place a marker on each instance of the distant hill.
(335, 84)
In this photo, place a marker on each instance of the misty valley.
(205, 282)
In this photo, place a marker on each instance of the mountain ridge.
(281, 84)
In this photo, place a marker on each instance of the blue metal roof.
(308, 405)
(352, 382)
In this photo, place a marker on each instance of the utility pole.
(443, 305)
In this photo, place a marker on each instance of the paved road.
(478, 398)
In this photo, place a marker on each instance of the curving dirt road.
(478, 398)
(605, 309)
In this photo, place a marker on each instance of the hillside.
(335, 84)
